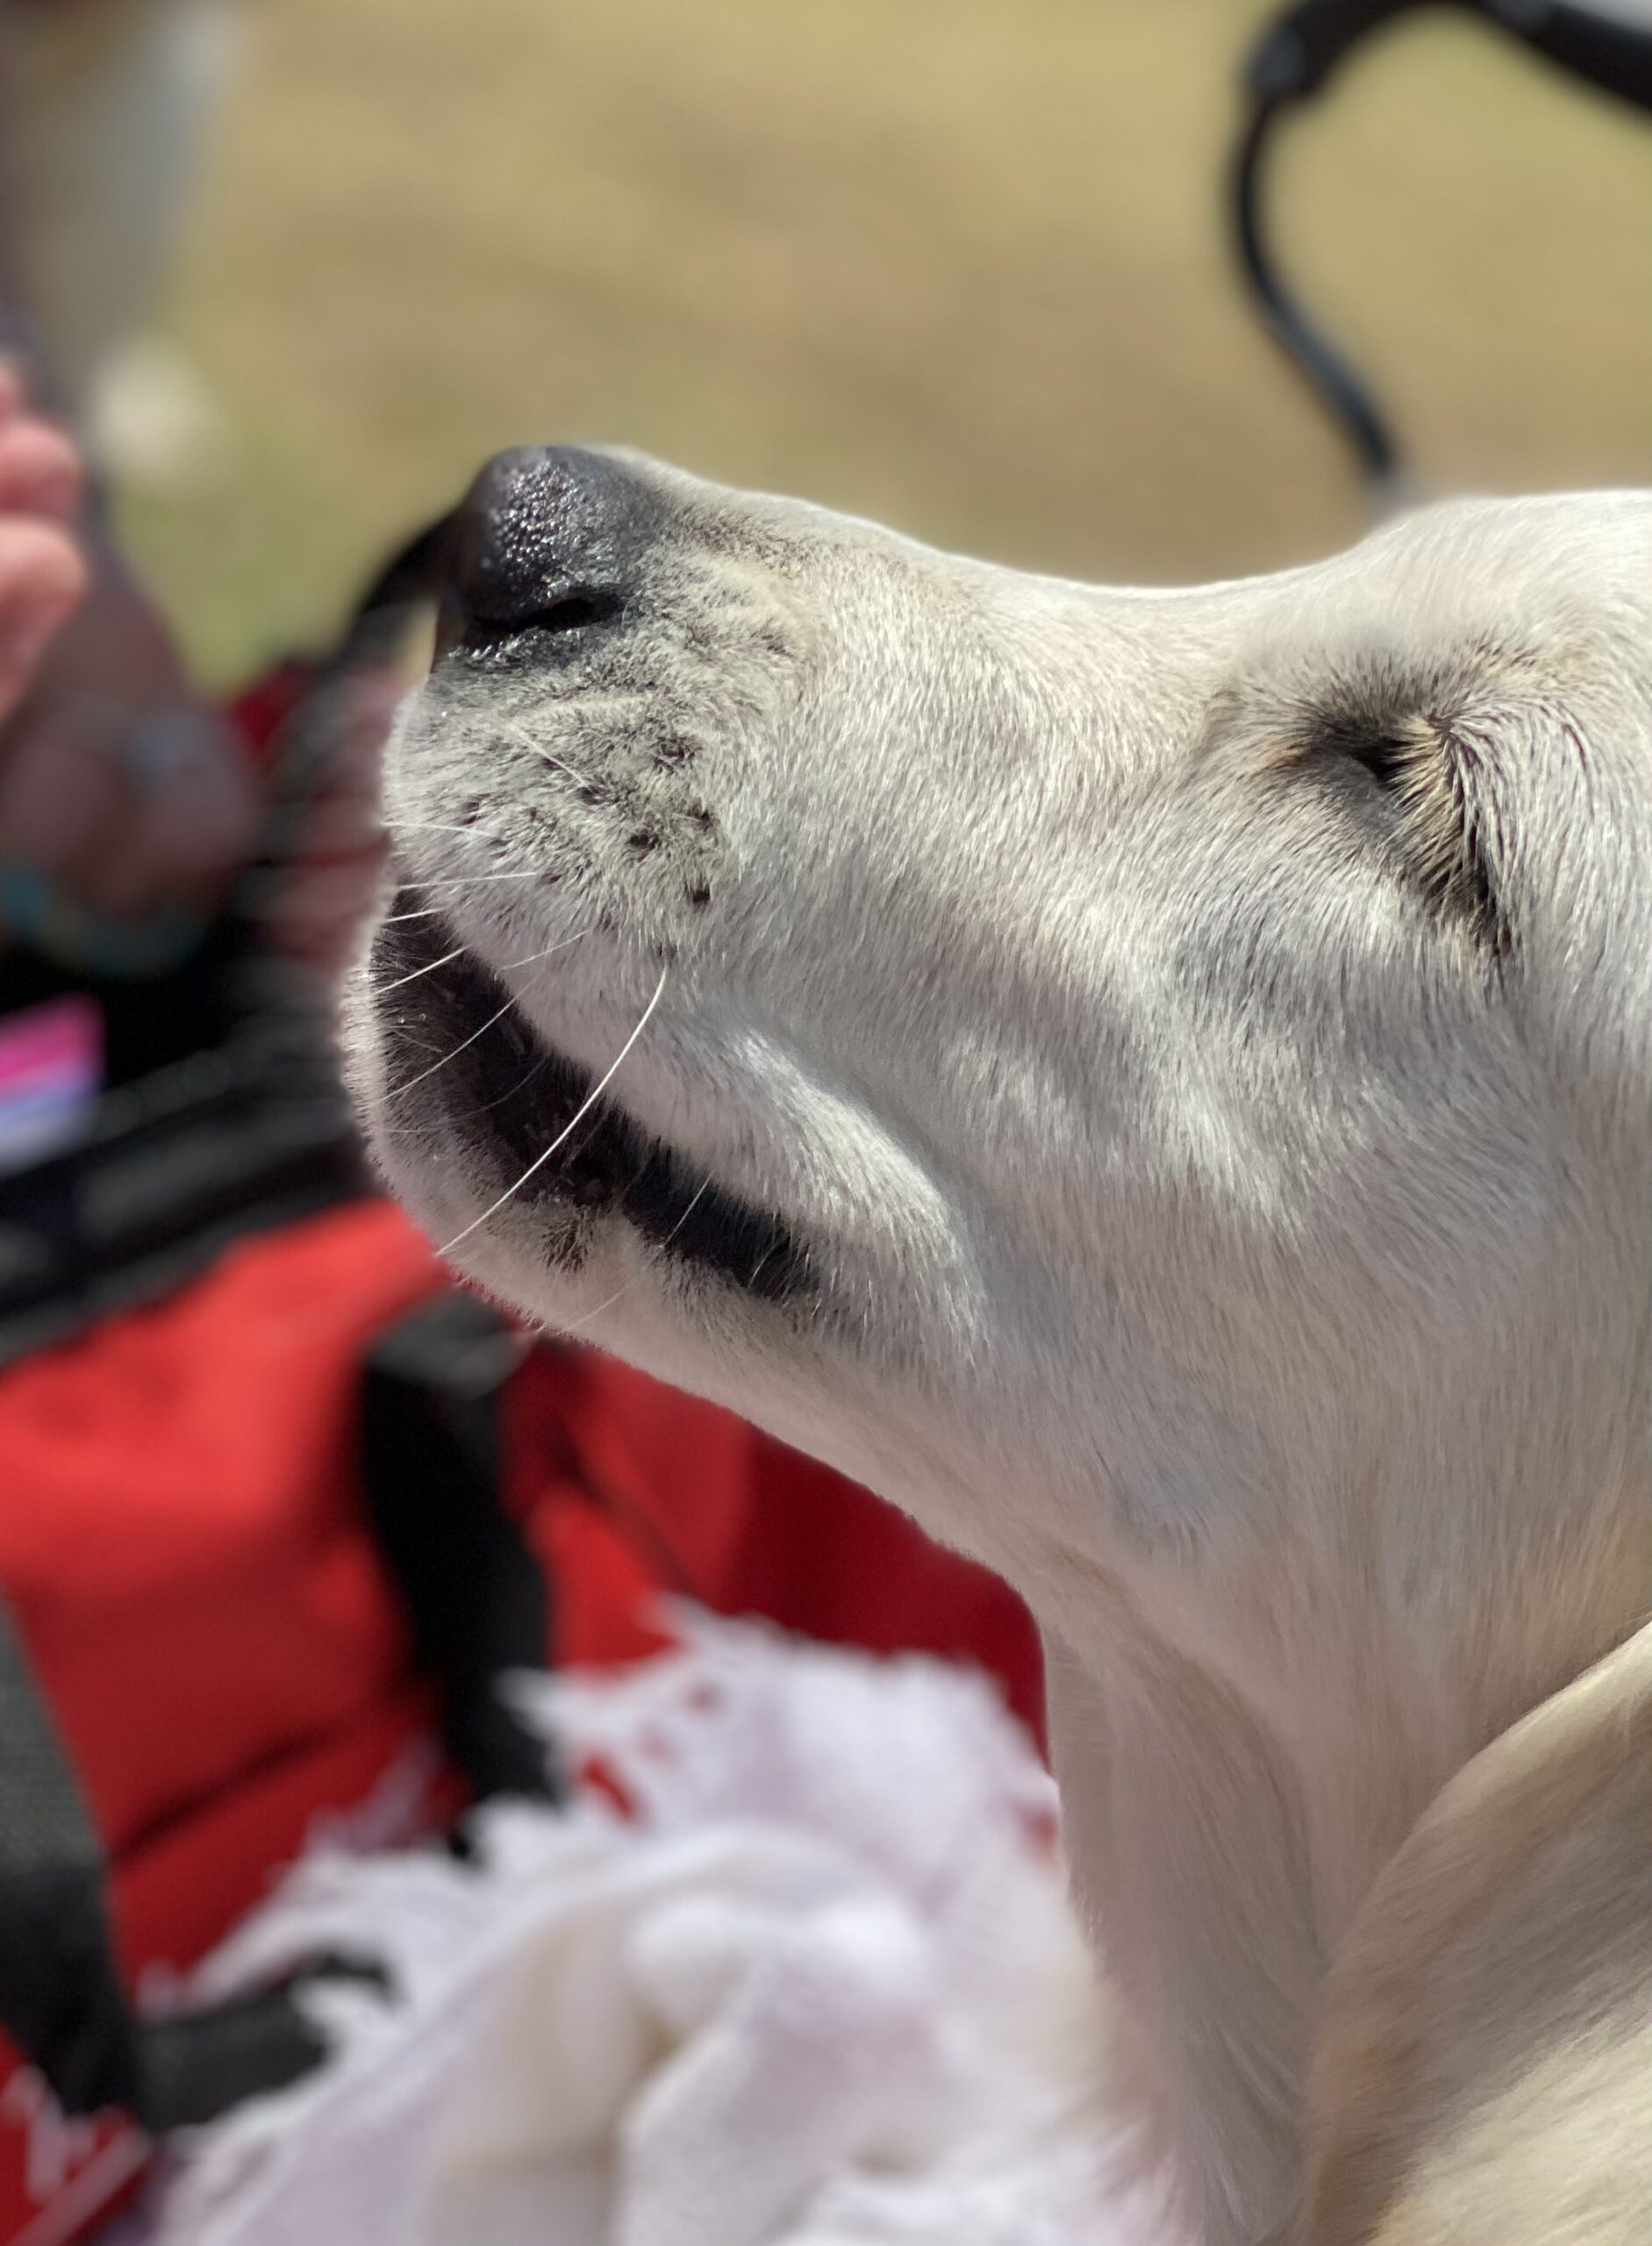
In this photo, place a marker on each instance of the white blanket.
(821, 1989)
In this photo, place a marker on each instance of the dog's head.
(1158, 1083)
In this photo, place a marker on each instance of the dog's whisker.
(459, 881)
(397, 1090)
(521, 733)
(425, 827)
(619, 1293)
(580, 1324)
(702, 1189)
(532, 959)
(381, 990)
(474, 881)
(459, 950)
(568, 1129)
(535, 957)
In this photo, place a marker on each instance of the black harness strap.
(432, 1463)
(61, 1995)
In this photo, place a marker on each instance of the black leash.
(1292, 63)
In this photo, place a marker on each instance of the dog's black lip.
(501, 1081)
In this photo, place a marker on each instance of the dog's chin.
(461, 1061)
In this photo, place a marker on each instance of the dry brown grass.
(958, 263)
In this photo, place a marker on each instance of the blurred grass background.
(960, 264)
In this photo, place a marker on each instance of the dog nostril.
(577, 611)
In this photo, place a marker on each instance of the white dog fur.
(1197, 1047)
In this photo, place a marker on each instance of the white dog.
(1159, 1085)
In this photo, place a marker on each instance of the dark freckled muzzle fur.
(508, 1091)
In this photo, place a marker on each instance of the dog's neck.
(1225, 1818)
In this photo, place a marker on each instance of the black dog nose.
(548, 540)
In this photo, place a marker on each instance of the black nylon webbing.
(431, 1466)
(60, 1998)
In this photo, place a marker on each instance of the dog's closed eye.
(1415, 781)
(1430, 776)
(1407, 764)
(1383, 756)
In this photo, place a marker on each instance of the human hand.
(42, 572)
(115, 783)
(118, 792)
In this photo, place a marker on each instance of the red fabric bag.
(186, 1552)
